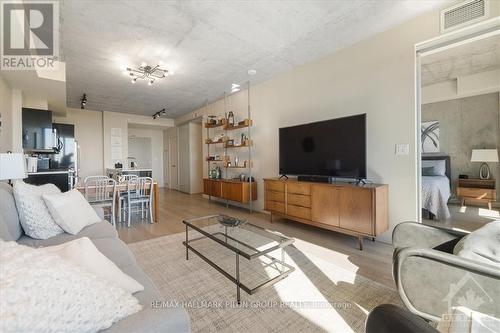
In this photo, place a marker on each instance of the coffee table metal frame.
(284, 272)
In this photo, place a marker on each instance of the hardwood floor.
(374, 262)
(466, 218)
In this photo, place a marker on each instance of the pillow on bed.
(428, 171)
(438, 166)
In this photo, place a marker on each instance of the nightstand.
(477, 190)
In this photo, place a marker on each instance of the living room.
(202, 136)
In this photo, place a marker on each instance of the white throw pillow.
(34, 215)
(464, 320)
(42, 292)
(71, 211)
(83, 253)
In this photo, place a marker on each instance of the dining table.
(122, 187)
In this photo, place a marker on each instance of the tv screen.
(335, 148)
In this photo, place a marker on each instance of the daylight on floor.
(245, 166)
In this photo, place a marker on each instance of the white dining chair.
(139, 198)
(100, 191)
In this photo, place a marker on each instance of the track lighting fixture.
(160, 113)
(83, 101)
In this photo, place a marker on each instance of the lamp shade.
(484, 155)
(12, 166)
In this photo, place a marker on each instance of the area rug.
(318, 296)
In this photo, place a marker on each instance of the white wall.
(88, 132)
(34, 101)
(5, 116)
(376, 77)
(195, 158)
(156, 137)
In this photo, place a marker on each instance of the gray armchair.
(430, 280)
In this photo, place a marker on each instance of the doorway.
(456, 91)
(139, 152)
(173, 158)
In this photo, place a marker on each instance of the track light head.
(83, 101)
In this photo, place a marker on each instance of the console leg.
(360, 242)
(271, 217)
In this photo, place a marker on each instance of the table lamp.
(12, 166)
(484, 156)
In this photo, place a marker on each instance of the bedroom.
(460, 118)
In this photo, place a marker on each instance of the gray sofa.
(430, 278)
(105, 238)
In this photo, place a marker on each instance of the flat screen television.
(334, 148)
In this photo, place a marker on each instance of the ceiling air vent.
(463, 14)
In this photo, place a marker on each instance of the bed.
(436, 188)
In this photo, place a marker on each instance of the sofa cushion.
(154, 317)
(83, 253)
(117, 251)
(481, 245)
(95, 231)
(8, 211)
(4, 232)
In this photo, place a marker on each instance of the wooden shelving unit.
(228, 188)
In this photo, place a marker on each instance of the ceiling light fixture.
(252, 72)
(146, 72)
(160, 113)
(83, 101)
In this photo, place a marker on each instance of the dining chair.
(100, 191)
(139, 198)
(122, 195)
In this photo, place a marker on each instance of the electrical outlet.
(402, 149)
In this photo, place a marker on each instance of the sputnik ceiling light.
(160, 113)
(146, 72)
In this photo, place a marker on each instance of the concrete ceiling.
(209, 44)
(475, 57)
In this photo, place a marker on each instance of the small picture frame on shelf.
(230, 142)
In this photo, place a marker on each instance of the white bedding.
(435, 195)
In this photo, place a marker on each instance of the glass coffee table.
(222, 245)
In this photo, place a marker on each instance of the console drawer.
(299, 200)
(275, 196)
(276, 185)
(274, 206)
(297, 211)
(298, 188)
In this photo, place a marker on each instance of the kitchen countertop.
(49, 172)
(128, 169)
